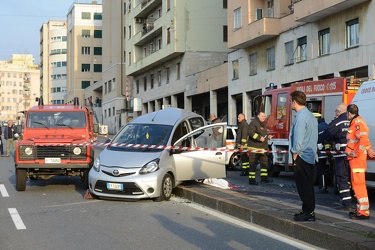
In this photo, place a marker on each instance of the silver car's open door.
(206, 158)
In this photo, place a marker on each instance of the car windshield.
(145, 134)
(56, 120)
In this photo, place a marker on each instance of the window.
(85, 84)
(324, 42)
(271, 58)
(130, 58)
(225, 33)
(259, 14)
(97, 34)
(225, 4)
(109, 112)
(289, 53)
(145, 83)
(85, 67)
(85, 50)
(301, 52)
(159, 43)
(86, 15)
(97, 68)
(159, 78)
(281, 106)
(105, 88)
(237, 18)
(98, 51)
(85, 33)
(168, 35)
(97, 16)
(152, 81)
(130, 31)
(178, 69)
(137, 86)
(109, 86)
(168, 5)
(235, 69)
(253, 64)
(352, 33)
(167, 74)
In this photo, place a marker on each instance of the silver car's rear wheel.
(166, 188)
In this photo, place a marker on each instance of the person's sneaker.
(266, 180)
(299, 214)
(358, 216)
(253, 182)
(305, 217)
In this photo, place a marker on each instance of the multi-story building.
(19, 86)
(167, 43)
(84, 49)
(53, 61)
(285, 41)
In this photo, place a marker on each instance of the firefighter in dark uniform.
(336, 132)
(258, 140)
(241, 143)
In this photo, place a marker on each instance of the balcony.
(255, 32)
(311, 11)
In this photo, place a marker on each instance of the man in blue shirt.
(303, 142)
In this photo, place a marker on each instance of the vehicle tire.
(21, 179)
(166, 188)
(235, 162)
(274, 171)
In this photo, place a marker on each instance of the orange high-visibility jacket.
(357, 138)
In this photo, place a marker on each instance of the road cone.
(88, 195)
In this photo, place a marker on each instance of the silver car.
(155, 152)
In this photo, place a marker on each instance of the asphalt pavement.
(273, 206)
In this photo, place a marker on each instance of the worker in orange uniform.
(357, 146)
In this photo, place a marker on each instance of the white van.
(365, 100)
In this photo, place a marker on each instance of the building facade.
(167, 43)
(53, 50)
(84, 49)
(19, 86)
(283, 41)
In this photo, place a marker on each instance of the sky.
(21, 20)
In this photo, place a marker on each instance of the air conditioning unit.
(138, 20)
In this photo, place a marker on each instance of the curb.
(326, 232)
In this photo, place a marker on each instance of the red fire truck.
(57, 140)
(322, 97)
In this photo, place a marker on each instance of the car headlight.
(150, 167)
(77, 151)
(28, 150)
(96, 165)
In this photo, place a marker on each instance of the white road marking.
(3, 191)
(16, 218)
(269, 233)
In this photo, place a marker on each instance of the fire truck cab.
(322, 97)
(57, 140)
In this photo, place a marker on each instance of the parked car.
(233, 161)
(130, 168)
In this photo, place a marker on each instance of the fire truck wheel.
(235, 162)
(21, 178)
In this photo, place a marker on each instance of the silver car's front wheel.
(166, 188)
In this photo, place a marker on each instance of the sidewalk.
(332, 229)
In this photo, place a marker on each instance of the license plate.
(115, 186)
(52, 160)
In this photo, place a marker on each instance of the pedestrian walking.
(241, 143)
(10, 135)
(303, 139)
(358, 144)
(1, 142)
(258, 140)
(336, 133)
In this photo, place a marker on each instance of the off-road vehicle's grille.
(62, 152)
